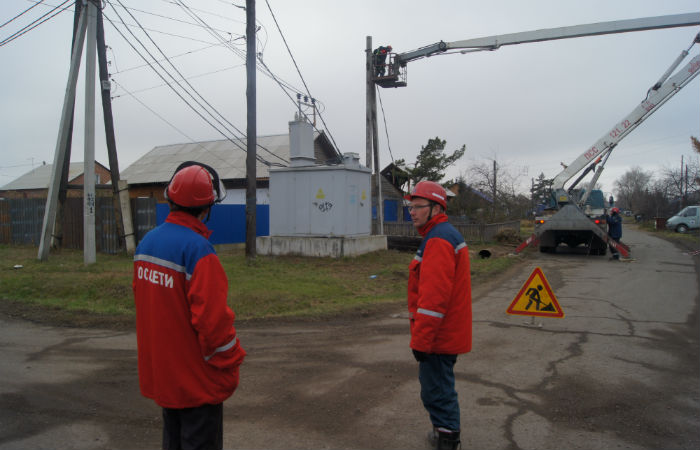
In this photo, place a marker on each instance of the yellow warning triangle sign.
(536, 298)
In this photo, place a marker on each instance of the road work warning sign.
(536, 298)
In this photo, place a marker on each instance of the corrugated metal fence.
(21, 221)
(472, 232)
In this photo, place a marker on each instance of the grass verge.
(63, 290)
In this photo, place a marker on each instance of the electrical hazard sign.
(536, 298)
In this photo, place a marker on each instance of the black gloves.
(420, 356)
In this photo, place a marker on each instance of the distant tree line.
(489, 191)
(660, 195)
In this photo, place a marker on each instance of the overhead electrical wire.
(192, 140)
(189, 78)
(213, 13)
(22, 13)
(259, 64)
(167, 59)
(188, 92)
(386, 130)
(299, 71)
(262, 67)
(37, 22)
(128, 69)
(37, 2)
(199, 113)
(169, 18)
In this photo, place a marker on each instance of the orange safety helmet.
(194, 185)
(429, 190)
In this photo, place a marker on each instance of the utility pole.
(251, 142)
(495, 191)
(89, 200)
(372, 142)
(62, 140)
(368, 103)
(87, 21)
(122, 209)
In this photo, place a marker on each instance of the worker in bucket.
(614, 230)
(188, 352)
(440, 309)
(380, 54)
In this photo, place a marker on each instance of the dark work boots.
(444, 439)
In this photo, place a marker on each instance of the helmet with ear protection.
(195, 185)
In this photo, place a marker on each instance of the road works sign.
(536, 298)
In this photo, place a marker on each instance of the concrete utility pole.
(122, 206)
(368, 104)
(251, 176)
(89, 200)
(87, 21)
(62, 140)
(372, 142)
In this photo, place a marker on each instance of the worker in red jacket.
(439, 307)
(188, 352)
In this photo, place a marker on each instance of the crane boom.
(550, 34)
(657, 96)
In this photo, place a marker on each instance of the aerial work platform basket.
(391, 74)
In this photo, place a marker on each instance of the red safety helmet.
(194, 185)
(429, 190)
(615, 210)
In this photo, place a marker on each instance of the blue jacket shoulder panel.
(175, 244)
(444, 231)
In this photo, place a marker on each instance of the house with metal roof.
(35, 183)
(148, 176)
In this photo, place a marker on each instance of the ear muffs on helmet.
(195, 184)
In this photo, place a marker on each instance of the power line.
(238, 52)
(182, 77)
(212, 13)
(190, 78)
(171, 57)
(156, 71)
(22, 13)
(386, 130)
(152, 29)
(193, 141)
(168, 17)
(260, 158)
(37, 22)
(298, 70)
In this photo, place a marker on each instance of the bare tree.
(499, 183)
(632, 187)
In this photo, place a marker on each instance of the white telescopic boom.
(654, 100)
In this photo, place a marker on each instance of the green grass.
(692, 236)
(282, 286)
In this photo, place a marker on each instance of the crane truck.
(575, 216)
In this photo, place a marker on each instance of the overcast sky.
(528, 106)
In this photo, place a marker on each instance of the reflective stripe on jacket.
(439, 291)
(188, 353)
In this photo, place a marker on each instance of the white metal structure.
(570, 224)
(550, 34)
(657, 95)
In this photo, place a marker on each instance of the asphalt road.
(621, 370)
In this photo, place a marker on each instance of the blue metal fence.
(227, 222)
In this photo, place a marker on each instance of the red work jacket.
(439, 291)
(188, 352)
